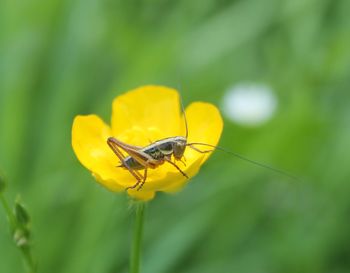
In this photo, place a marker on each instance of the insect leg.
(182, 161)
(177, 167)
(135, 152)
(119, 154)
(139, 184)
(144, 180)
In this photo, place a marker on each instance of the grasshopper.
(162, 151)
(152, 156)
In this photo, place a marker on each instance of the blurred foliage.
(63, 58)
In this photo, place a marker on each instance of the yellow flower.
(139, 117)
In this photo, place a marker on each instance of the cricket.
(152, 156)
(168, 150)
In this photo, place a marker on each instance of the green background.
(63, 58)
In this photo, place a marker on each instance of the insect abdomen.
(153, 151)
(133, 164)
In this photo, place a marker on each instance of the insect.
(163, 151)
(152, 156)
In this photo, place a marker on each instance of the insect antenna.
(184, 114)
(243, 158)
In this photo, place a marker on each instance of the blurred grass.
(63, 58)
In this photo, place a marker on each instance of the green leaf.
(22, 215)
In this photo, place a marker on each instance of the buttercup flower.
(140, 117)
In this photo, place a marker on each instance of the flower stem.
(137, 240)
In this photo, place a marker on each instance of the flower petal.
(146, 114)
(89, 135)
(176, 182)
(204, 125)
(142, 195)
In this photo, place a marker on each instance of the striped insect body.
(159, 150)
(151, 156)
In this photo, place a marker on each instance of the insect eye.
(179, 149)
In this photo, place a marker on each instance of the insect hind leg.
(139, 184)
(137, 175)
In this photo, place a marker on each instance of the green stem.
(25, 250)
(27, 255)
(8, 212)
(137, 240)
